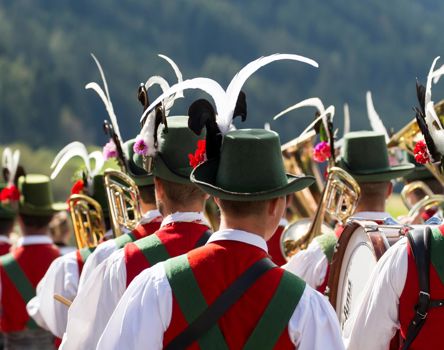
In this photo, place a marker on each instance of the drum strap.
(420, 244)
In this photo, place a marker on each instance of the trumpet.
(298, 160)
(87, 219)
(339, 200)
(123, 201)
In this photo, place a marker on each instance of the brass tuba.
(429, 201)
(339, 200)
(297, 156)
(87, 218)
(123, 201)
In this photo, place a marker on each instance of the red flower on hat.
(78, 187)
(199, 155)
(421, 152)
(9, 194)
(321, 152)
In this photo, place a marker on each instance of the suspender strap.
(208, 318)
(203, 239)
(153, 249)
(277, 315)
(85, 253)
(20, 281)
(122, 240)
(420, 244)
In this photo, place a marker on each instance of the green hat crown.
(365, 156)
(36, 196)
(176, 142)
(250, 167)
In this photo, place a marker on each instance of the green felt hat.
(420, 172)
(98, 192)
(364, 156)
(36, 196)
(6, 211)
(171, 161)
(250, 168)
(138, 174)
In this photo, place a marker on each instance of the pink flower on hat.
(321, 152)
(140, 147)
(110, 150)
(421, 152)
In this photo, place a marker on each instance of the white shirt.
(144, 312)
(105, 249)
(4, 239)
(373, 325)
(311, 264)
(101, 292)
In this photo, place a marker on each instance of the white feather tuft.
(10, 161)
(176, 71)
(375, 121)
(267, 126)
(346, 119)
(309, 102)
(428, 93)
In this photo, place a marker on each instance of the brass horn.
(297, 156)
(123, 201)
(339, 200)
(407, 137)
(412, 187)
(87, 219)
(425, 204)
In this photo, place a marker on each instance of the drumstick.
(63, 300)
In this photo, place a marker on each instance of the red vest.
(274, 247)
(215, 267)
(4, 248)
(429, 337)
(34, 260)
(177, 237)
(146, 229)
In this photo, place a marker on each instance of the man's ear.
(389, 190)
(158, 188)
(273, 206)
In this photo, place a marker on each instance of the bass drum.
(360, 246)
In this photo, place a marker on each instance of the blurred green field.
(395, 206)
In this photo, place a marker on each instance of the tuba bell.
(339, 200)
(123, 201)
(87, 218)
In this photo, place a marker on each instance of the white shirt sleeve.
(61, 278)
(94, 304)
(102, 252)
(142, 315)
(310, 264)
(374, 324)
(314, 324)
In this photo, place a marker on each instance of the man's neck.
(35, 232)
(171, 209)
(249, 225)
(146, 207)
(374, 208)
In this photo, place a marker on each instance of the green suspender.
(85, 252)
(153, 249)
(21, 282)
(122, 240)
(277, 314)
(191, 301)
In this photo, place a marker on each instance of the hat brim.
(391, 173)
(41, 211)
(204, 176)
(419, 173)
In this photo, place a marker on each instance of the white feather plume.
(156, 79)
(267, 126)
(375, 121)
(225, 100)
(437, 134)
(77, 149)
(104, 95)
(323, 116)
(428, 93)
(346, 119)
(176, 71)
(10, 161)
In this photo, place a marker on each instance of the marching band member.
(63, 275)
(274, 243)
(268, 308)
(373, 173)
(183, 228)
(22, 269)
(406, 289)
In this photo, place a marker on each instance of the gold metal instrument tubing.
(87, 219)
(123, 201)
(339, 200)
(412, 187)
(425, 204)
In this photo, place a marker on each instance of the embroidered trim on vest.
(277, 315)
(190, 299)
(437, 250)
(153, 249)
(122, 240)
(327, 242)
(20, 281)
